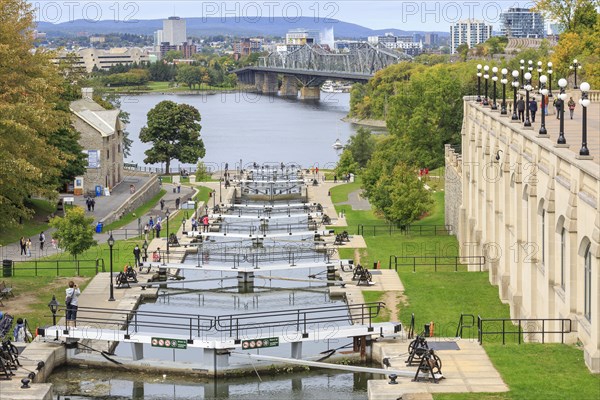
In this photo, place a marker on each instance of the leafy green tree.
(361, 145)
(573, 15)
(463, 50)
(174, 131)
(346, 164)
(66, 139)
(189, 75)
(172, 55)
(74, 232)
(202, 174)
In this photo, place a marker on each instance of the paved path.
(357, 201)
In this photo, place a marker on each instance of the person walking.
(28, 245)
(71, 301)
(93, 204)
(533, 108)
(146, 231)
(521, 109)
(205, 223)
(162, 204)
(557, 106)
(23, 244)
(136, 254)
(42, 240)
(157, 228)
(194, 224)
(571, 105)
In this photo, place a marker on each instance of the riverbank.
(373, 123)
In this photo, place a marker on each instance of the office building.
(174, 31)
(522, 23)
(470, 32)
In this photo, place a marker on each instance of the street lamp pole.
(515, 85)
(479, 83)
(167, 214)
(527, 89)
(539, 69)
(486, 76)
(522, 67)
(585, 102)
(544, 92)
(576, 65)
(504, 81)
(111, 243)
(550, 80)
(562, 97)
(494, 79)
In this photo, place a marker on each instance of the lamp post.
(486, 76)
(494, 79)
(167, 214)
(539, 69)
(544, 92)
(111, 243)
(585, 102)
(574, 67)
(562, 97)
(550, 79)
(515, 85)
(145, 248)
(53, 305)
(522, 68)
(479, 83)
(504, 81)
(527, 89)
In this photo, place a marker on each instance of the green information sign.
(260, 343)
(169, 343)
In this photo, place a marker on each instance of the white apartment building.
(472, 32)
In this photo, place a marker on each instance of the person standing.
(93, 202)
(71, 301)
(88, 203)
(533, 108)
(42, 240)
(157, 228)
(521, 109)
(136, 254)
(571, 105)
(23, 244)
(146, 231)
(28, 245)
(557, 106)
(194, 224)
(205, 223)
(162, 204)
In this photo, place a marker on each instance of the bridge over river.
(308, 67)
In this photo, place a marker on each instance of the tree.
(74, 232)
(361, 146)
(172, 55)
(463, 50)
(188, 74)
(202, 174)
(30, 89)
(573, 15)
(174, 130)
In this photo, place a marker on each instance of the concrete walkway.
(357, 201)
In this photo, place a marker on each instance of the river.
(254, 127)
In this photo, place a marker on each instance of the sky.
(406, 15)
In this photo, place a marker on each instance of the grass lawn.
(32, 227)
(532, 371)
(132, 216)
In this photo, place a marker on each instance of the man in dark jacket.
(521, 109)
(533, 108)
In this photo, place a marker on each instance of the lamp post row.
(526, 83)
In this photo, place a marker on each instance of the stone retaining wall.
(452, 188)
(141, 196)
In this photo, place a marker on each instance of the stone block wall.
(142, 195)
(452, 188)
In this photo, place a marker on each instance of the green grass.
(532, 371)
(166, 87)
(372, 296)
(32, 227)
(138, 212)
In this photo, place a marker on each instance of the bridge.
(311, 65)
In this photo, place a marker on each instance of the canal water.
(254, 127)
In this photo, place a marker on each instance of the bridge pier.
(246, 282)
(296, 350)
(310, 93)
(137, 351)
(270, 83)
(289, 86)
(259, 79)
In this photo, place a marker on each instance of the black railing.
(125, 233)
(58, 267)
(418, 230)
(261, 256)
(462, 323)
(454, 262)
(526, 329)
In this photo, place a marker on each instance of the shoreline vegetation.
(373, 123)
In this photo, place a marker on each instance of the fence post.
(519, 331)
(414, 264)
(455, 264)
(543, 330)
(435, 263)
(78, 269)
(35, 265)
(503, 331)
(57, 271)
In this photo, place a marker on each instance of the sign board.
(169, 343)
(106, 191)
(69, 200)
(93, 158)
(260, 343)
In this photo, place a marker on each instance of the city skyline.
(404, 15)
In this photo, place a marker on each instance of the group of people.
(203, 220)
(533, 107)
(153, 226)
(25, 244)
(90, 203)
(20, 332)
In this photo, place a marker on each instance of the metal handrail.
(461, 324)
(421, 230)
(436, 261)
(565, 325)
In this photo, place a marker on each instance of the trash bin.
(7, 268)
(98, 191)
(99, 227)
(427, 326)
(174, 190)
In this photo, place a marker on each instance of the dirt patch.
(394, 300)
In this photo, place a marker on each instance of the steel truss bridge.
(311, 65)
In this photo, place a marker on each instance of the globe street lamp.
(585, 102)
(111, 243)
(515, 85)
(539, 69)
(544, 92)
(527, 89)
(486, 76)
(530, 67)
(494, 78)
(574, 68)
(504, 81)
(562, 97)
(479, 83)
(522, 67)
(550, 79)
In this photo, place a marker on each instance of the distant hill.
(215, 26)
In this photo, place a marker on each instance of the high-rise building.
(522, 23)
(158, 38)
(299, 37)
(431, 39)
(174, 31)
(246, 46)
(472, 32)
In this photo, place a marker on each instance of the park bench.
(5, 292)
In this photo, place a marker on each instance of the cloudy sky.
(408, 15)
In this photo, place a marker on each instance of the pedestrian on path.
(29, 247)
(146, 231)
(521, 109)
(194, 224)
(205, 223)
(42, 240)
(88, 203)
(93, 204)
(71, 300)
(162, 204)
(23, 245)
(533, 108)
(157, 228)
(136, 254)
(571, 105)
(177, 202)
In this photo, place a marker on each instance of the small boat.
(337, 145)
(331, 87)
